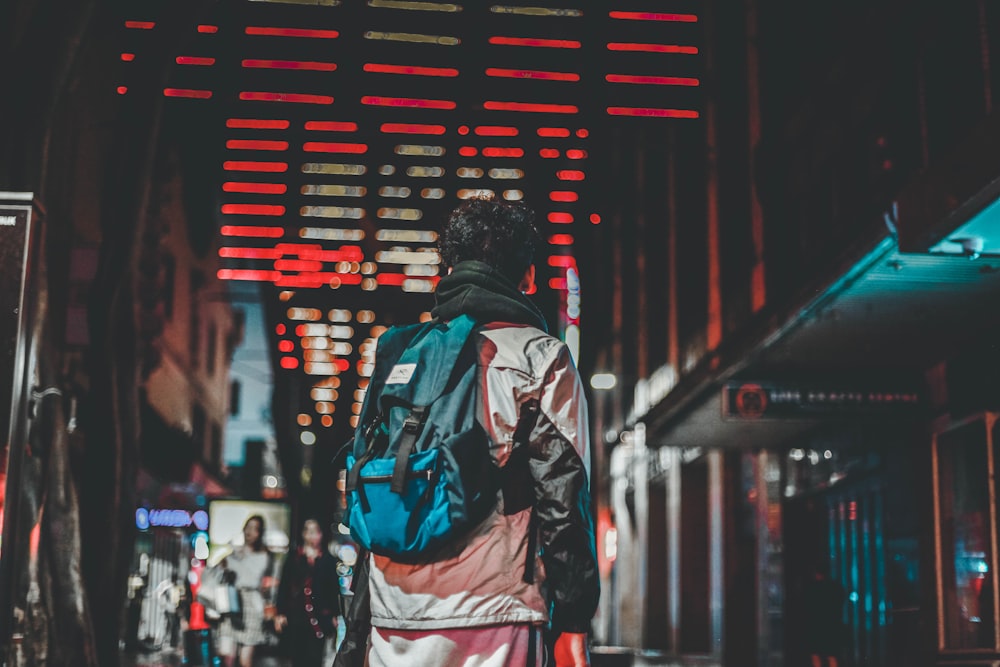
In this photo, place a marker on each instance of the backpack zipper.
(382, 479)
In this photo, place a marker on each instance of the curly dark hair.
(493, 231)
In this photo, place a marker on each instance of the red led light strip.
(286, 97)
(654, 16)
(187, 92)
(412, 70)
(652, 48)
(468, 151)
(652, 113)
(565, 261)
(535, 42)
(530, 107)
(257, 124)
(493, 151)
(333, 147)
(496, 131)
(255, 188)
(194, 60)
(290, 64)
(256, 145)
(140, 25)
(128, 57)
(558, 218)
(208, 29)
(553, 132)
(531, 74)
(561, 239)
(253, 231)
(292, 32)
(411, 128)
(653, 80)
(570, 175)
(253, 209)
(244, 165)
(331, 126)
(563, 195)
(411, 102)
(247, 274)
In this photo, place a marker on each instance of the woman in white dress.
(251, 568)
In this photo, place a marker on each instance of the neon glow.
(285, 97)
(492, 151)
(557, 283)
(530, 107)
(255, 188)
(496, 131)
(122, 90)
(595, 218)
(654, 16)
(187, 92)
(290, 64)
(297, 265)
(576, 154)
(583, 133)
(250, 253)
(563, 195)
(412, 102)
(292, 32)
(411, 70)
(286, 346)
(257, 124)
(531, 74)
(548, 153)
(558, 218)
(267, 167)
(468, 151)
(412, 128)
(561, 239)
(289, 362)
(535, 42)
(331, 126)
(570, 175)
(256, 145)
(564, 261)
(140, 25)
(247, 274)
(128, 57)
(652, 48)
(652, 80)
(652, 113)
(553, 132)
(208, 29)
(194, 60)
(253, 209)
(333, 147)
(253, 231)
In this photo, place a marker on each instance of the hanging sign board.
(753, 401)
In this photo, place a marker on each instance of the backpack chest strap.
(412, 426)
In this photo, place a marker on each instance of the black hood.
(481, 292)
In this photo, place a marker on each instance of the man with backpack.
(472, 556)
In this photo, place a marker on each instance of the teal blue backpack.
(420, 473)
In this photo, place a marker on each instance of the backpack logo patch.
(401, 374)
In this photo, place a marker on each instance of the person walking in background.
(250, 568)
(308, 599)
(524, 567)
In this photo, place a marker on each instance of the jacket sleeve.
(353, 650)
(560, 475)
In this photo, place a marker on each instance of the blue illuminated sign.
(170, 518)
(142, 518)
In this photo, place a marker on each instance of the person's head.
(499, 233)
(312, 534)
(253, 532)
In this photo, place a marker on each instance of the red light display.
(493, 151)
(413, 102)
(243, 165)
(570, 175)
(247, 274)
(290, 64)
(564, 261)
(140, 25)
(561, 239)
(250, 253)
(531, 74)
(256, 145)
(653, 80)
(576, 154)
(549, 153)
(330, 126)
(255, 96)
(652, 113)
(255, 188)
(654, 16)
(128, 57)
(257, 124)
(253, 209)
(187, 92)
(333, 147)
(289, 362)
(496, 131)
(194, 60)
(530, 107)
(468, 151)
(412, 128)
(253, 232)
(553, 132)
(534, 42)
(208, 29)
(563, 195)
(292, 32)
(559, 218)
(122, 90)
(411, 70)
(652, 48)
(286, 346)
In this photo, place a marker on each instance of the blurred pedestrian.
(308, 599)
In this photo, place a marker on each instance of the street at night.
(341, 333)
